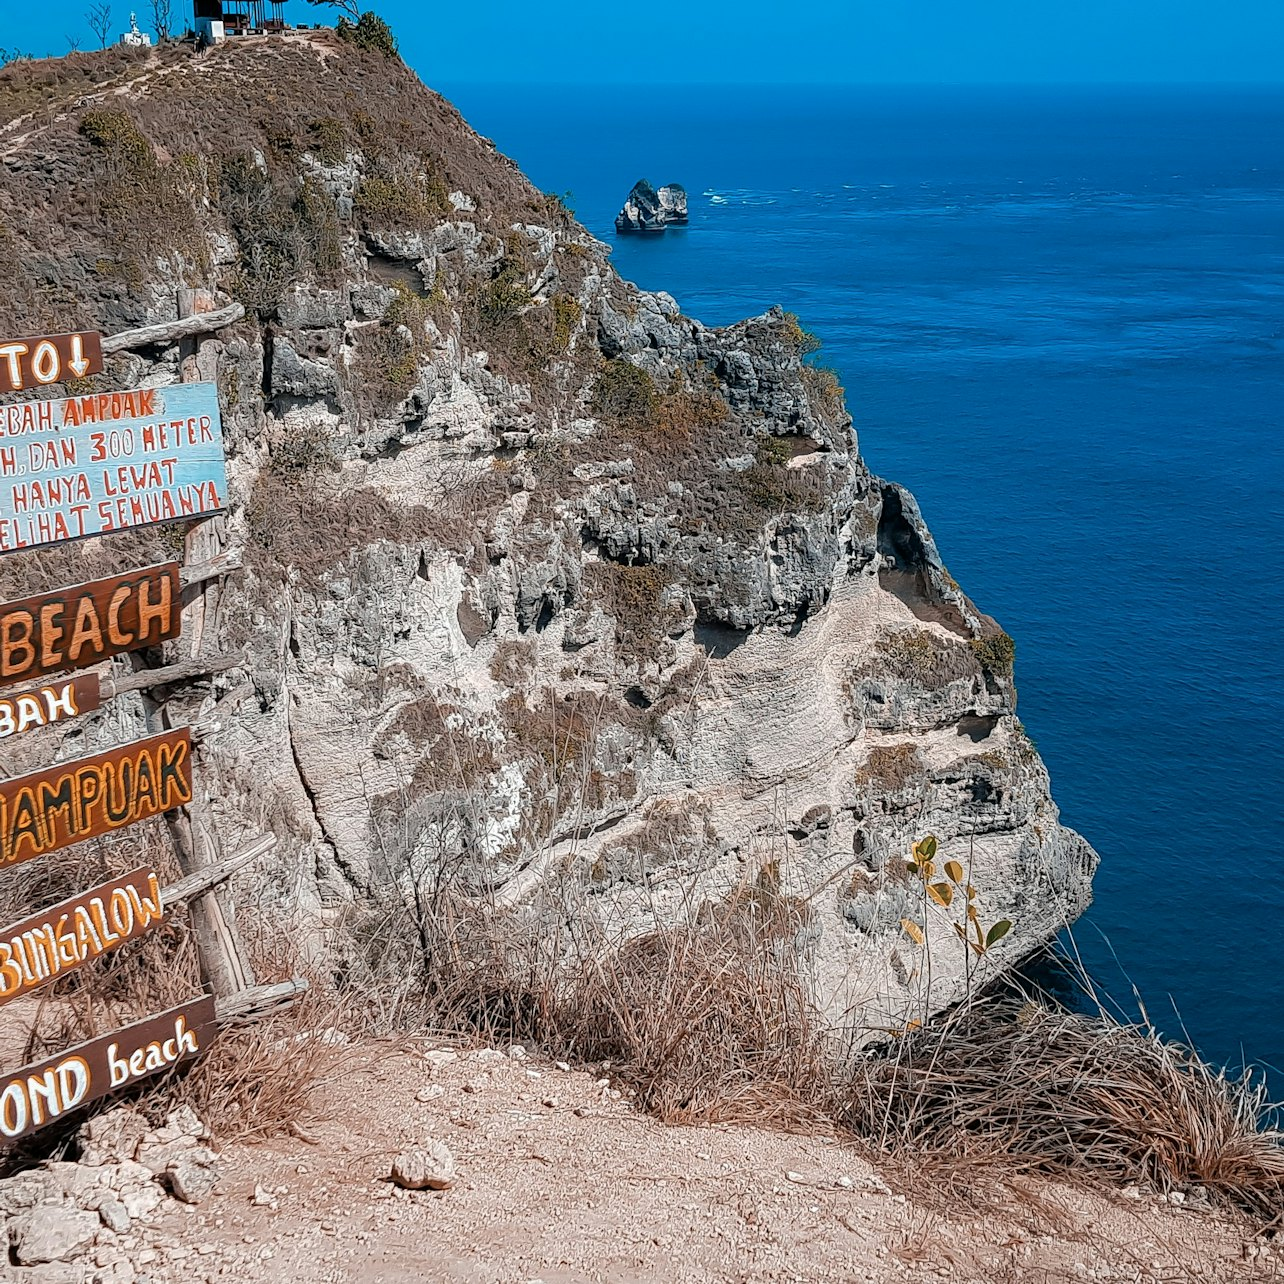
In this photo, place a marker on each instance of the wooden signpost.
(33, 363)
(73, 466)
(42, 1093)
(65, 936)
(76, 627)
(54, 702)
(90, 465)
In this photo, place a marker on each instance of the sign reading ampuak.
(108, 461)
(40, 1093)
(72, 801)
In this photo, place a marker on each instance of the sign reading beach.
(107, 461)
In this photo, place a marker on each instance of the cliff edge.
(553, 596)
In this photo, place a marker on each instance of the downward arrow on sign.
(78, 364)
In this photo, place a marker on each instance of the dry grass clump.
(711, 1020)
(259, 1077)
(256, 1081)
(1069, 1095)
(919, 656)
(302, 527)
(703, 1023)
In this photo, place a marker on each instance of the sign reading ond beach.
(106, 461)
(41, 1093)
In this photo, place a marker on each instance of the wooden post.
(224, 963)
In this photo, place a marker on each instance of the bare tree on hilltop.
(99, 20)
(352, 8)
(163, 18)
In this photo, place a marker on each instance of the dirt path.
(558, 1182)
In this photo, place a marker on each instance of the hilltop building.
(218, 19)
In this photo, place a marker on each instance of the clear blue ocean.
(1059, 316)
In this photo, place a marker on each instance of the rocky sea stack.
(555, 602)
(648, 210)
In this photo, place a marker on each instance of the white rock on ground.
(430, 1168)
(52, 1234)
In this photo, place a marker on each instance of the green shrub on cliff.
(370, 32)
(625, 394)
(800, 341)
(996, 653)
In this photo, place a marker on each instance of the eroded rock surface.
(552, 595)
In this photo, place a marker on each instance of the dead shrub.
(890, 766)
(635, 597)
(709, 1022)
(285, 227)
(824, 390)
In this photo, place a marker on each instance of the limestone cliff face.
(552, 594)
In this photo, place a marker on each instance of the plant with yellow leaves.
(944, 891)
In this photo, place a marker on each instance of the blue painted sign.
(109, 461)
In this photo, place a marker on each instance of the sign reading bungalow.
(108, 461)
(65, 936)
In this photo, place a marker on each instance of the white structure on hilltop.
(133, 37)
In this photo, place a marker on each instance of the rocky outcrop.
(96, 1214)
(649, 210)
(554, 598)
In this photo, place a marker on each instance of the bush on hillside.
(370, 32)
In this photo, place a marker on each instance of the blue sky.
(770, 41)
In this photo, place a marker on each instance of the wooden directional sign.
(43, 1093)
(62, 938)
(55, 358)
(75, 627)
(109, 461)
(55, 702)
(52, 809)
